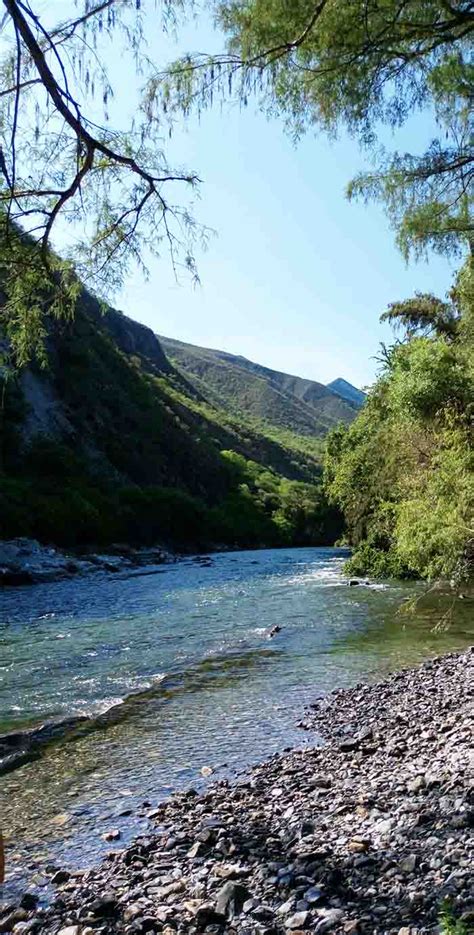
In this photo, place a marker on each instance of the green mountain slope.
(240, 386)
(347, 391)
(112, 444)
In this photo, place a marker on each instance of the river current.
(180, 670)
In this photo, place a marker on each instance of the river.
(178, 667)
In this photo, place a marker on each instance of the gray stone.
(207, 915)
(313, 895)
(328, 918)
(113, 835)
(231, 899)
(297, 921)
(346, 746)
(408, 864)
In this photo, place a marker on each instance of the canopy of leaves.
(425, 313)
(73, 158)
(356, 64)
(403, 472)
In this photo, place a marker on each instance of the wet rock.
(61, 876)
(314, 895)
(113, 835)
(274, 630)
(29, 901)
(155, 813)
(9, 920)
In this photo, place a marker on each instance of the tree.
(424, 314)
(61, 159)
(403, 471)
(357, 64)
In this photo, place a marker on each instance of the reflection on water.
(179, 671)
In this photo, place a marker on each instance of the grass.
(449, 923)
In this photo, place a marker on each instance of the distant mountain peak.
(238, 385)
(347, 391)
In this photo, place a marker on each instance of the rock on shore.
(26, 561)
(368, 834)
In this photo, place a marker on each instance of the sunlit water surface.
(181, 659)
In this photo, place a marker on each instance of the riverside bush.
(403, 472)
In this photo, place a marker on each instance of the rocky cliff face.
(45, 409)
(131, 337)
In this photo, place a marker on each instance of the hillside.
(111, 443)
(347, 391)
(279, 399)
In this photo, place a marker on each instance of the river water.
(178, 666)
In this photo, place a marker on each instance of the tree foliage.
(72, 158)
(128, 453)
(356, 64)
(403, 472)
(69, 157)
(424, 312)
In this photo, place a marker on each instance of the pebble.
(114, 835)
(297, 921)
(61, 876)
(330, 839)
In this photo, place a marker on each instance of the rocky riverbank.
(26, 561)
(370, 833)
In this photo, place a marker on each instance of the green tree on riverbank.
(403, 472)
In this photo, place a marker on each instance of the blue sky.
(296, 276)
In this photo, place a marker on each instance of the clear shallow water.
(182, 660)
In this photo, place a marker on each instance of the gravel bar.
(369, 833)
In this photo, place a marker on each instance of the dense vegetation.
(132, 454)
(57, 500)
(403, 472)
(357, 65)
